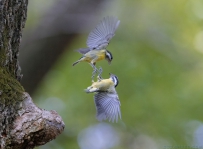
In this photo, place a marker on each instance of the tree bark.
(22, 124)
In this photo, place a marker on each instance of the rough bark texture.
(22, 124)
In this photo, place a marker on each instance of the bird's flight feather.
(107, 106)
(101, 35)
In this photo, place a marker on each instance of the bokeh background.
(158, 57)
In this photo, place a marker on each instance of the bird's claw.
(99, 73)
(95, 70)
(93, 73)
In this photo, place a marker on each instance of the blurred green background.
(158, 58)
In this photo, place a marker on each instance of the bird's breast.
(101, 56)
(94, 54)
(103, 85)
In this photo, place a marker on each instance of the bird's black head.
(114, 79)
(109, 56)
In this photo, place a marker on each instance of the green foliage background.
(158, 58)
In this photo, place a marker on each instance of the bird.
(106, 98)
(97, 42)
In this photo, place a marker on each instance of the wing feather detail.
(83, 50)
(99, 37)
(107, 106)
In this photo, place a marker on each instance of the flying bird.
(97, 42)
(106, 98)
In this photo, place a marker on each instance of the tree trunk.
(22, 124)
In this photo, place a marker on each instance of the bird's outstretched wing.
(83, 50)
(107, 106)
(99, 37)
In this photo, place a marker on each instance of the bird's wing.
(83, 50)
(99, 37)
(107, 106)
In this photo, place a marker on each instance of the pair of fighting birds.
(106, 98)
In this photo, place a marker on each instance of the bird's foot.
(99, 77)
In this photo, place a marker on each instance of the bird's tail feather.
(76, 63)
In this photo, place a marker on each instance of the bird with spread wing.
(97, 42)
(106, 98)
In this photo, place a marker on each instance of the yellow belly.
(87, 59)
(94, 55)
(103, 85)
(101, 57)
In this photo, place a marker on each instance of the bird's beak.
(86, 90)
(109, 62)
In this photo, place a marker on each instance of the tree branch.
(35, 126)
